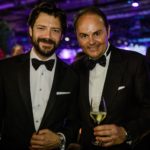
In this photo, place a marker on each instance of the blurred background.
(129, 20)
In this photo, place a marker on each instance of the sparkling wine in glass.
(98, 113)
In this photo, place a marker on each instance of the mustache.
(45, 40)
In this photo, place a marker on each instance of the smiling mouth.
(46, 44)
(92, 48)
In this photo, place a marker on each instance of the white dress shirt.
(41, 81)
(97, 80)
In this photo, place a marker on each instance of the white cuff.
(63, 140)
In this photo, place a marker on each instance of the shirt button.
(40, 89)
(37, 121)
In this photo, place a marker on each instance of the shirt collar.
(107, 50)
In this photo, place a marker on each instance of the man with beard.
(37, 90)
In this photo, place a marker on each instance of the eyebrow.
(46, 26)
(92, 32)
(39, 25)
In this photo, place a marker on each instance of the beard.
(46, 51)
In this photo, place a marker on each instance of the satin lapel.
(24, 83)
(50, 105)
(85, 89)
(114, 77)
(84, 94)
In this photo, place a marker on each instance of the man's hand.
(109, 135)
(44, 140)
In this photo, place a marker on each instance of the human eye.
(97, 33)
(83, 36)
(55, 30)
(41, 28)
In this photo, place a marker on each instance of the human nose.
(91, 40)
(48, 34)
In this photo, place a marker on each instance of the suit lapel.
(84, 93)
(24, 83)
(50, 105)
(114, 76)
(85, 89)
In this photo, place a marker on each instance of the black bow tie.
(91, 63)
(48, 64)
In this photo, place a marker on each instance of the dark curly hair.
(50, 9)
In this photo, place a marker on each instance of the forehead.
(88, 21)
(45, 19)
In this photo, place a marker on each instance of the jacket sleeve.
(140, 126)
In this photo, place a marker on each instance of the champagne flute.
(98, 113)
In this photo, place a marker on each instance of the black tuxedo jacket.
(127, 94)
(16, 118)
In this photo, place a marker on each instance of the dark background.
(130, 26)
